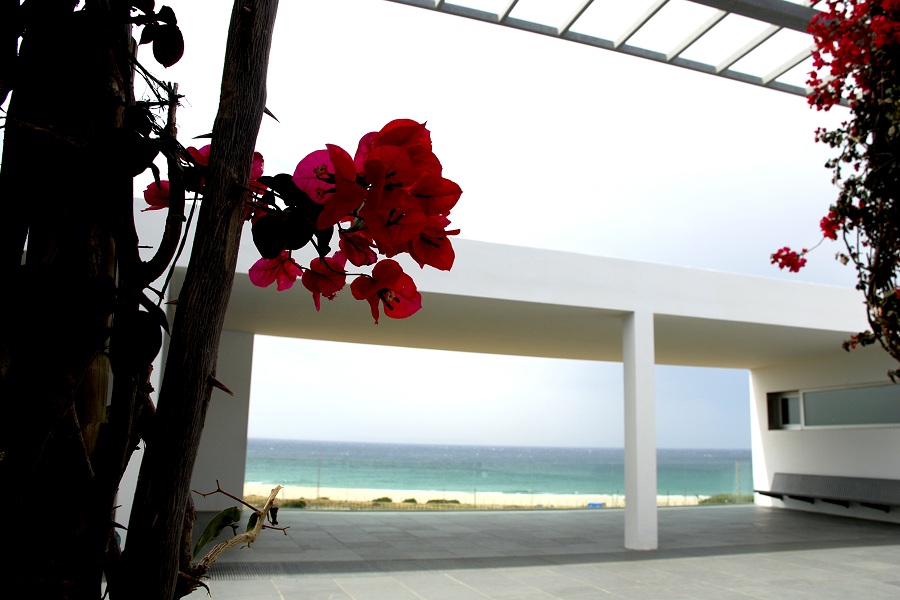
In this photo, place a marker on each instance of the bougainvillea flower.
(347, 194)
(256, 169)
(357, 247)
(389, 285)
(365, 145)
(157, 195)
(282, 269)
(325, 277)
(432, 246)
(396, 222)
(436, 195)
(404, 133)
(830, 224)
(315, 175)
(200, 155)
(788, 259)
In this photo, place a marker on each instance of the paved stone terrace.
(705, 552)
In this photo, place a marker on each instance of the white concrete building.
(523, 301)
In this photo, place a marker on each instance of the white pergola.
(760, 42)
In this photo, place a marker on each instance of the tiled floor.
(708, 552)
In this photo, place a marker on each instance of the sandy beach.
(477, 499)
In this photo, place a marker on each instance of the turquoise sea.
(503, 469)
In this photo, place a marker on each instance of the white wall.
(223, 446)
(852, 451)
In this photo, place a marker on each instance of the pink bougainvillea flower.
(432, 246)
(388, 284)
(315, 175)
(830, 224)
(357, 247)
(200, 155)
(256, 169)
(788, 259)
(325, 277)
(347, 194)
(157, 196)
(282, 269)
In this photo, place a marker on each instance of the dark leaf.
(168, 44)
(269, 235)
(167, 16)
(227, 518)
(251, 522)
(283, 185)
(148, 33)
(299, 228)
(138, 118)
(158, 313)
(145, 6)
(323, 239)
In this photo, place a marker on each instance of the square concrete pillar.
(640, 432)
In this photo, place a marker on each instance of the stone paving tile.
(723, 553)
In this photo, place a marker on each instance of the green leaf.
(251, 522)
(227, 518)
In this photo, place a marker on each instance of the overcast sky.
(557, 146)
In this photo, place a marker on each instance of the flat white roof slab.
(502, 299)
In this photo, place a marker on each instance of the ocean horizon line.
(485, 445)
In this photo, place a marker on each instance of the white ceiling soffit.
(760, 42)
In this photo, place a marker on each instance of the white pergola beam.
(697, 34)
(776, 12)
(780, 14)
(640, 22)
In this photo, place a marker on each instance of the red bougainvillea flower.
(390, 285)
(325, 277)
(347, 194)
(157, 196)
(395, 223)
(786, 258)
(830, 224)
(282, 269)
(436, 195)
(357, 247)
(200, 155)
(432, 246)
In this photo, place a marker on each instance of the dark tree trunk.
(156, 528)
(59, 185)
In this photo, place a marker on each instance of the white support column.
(640, 432)
(223, 446)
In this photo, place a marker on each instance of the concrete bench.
(880, 494)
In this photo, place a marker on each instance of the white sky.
(555, 145)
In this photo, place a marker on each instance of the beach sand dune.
(476, 499)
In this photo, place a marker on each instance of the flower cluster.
(857, 62)
(788, 259)
(851, 38)
(389, 198)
